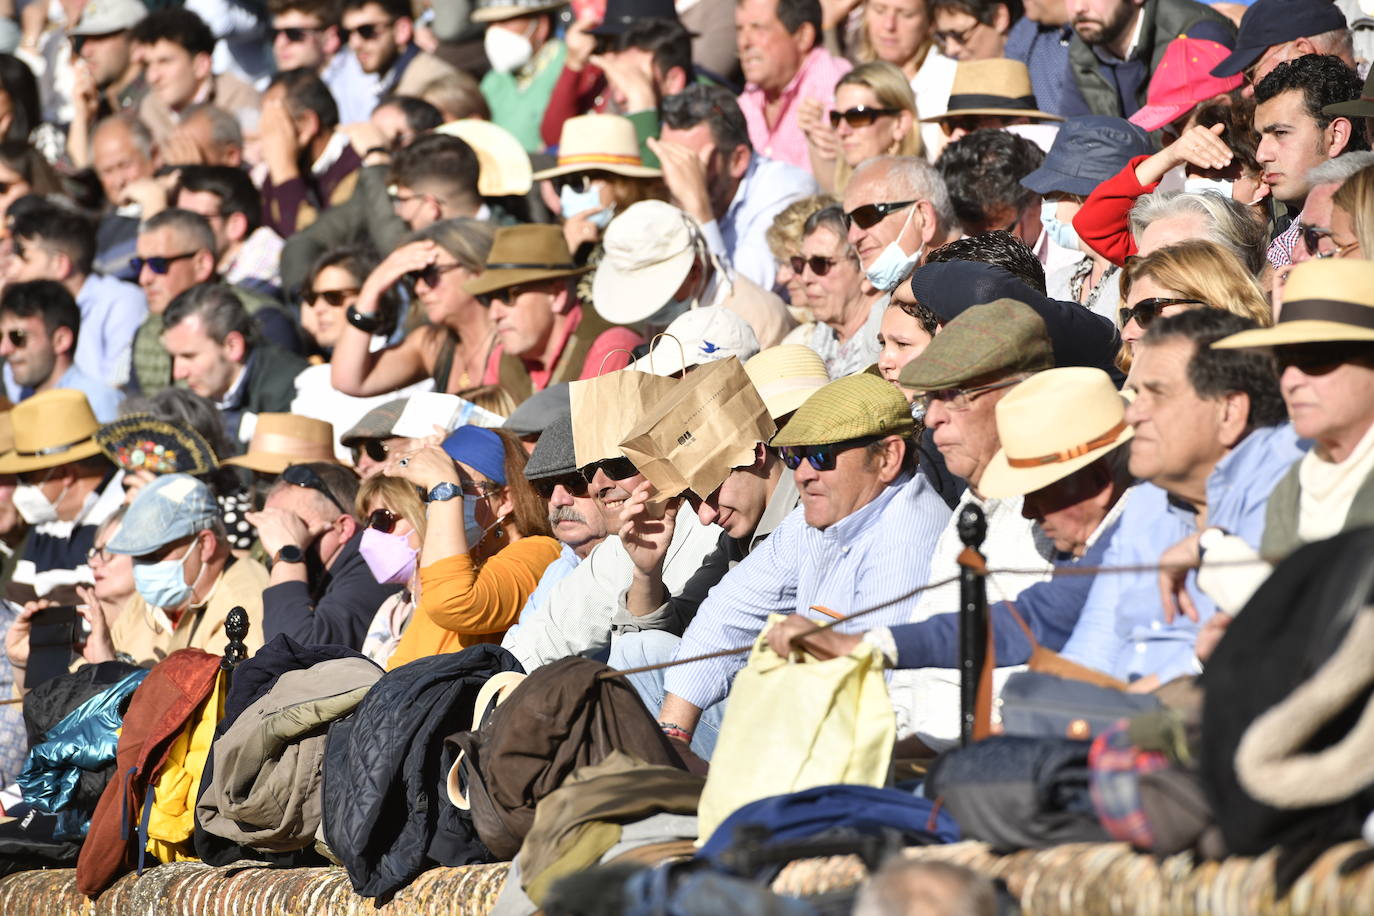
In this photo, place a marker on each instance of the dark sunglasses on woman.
(860, 115)
(1146, 310)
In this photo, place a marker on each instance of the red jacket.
(1101, 222)
(576, 92)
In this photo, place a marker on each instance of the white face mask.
(506, 50)
(1061, 233)
(34, 506)
(1198, 184)
(893, 265)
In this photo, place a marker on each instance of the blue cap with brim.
(1274, 22)
(1086, 152)
(172, 507)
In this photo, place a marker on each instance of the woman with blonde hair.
(874, 115)
(784, 238)
(395, 529)
(1352, 219)
(1190, 274)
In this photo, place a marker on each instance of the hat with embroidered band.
(499, 10)
(1326, 299)
(52, 428)
(1182, 80)
(525, 254)
(992, 87)
(648, 251)
(283, 439)
(503, 165)
(1053, 424)
(601, 142)
(786, 375)
(699, 336)
(848, 408)
(142, 442)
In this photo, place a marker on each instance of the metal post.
(236, 628)
(973, 615)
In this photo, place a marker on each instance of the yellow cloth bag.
(795, 724)
(172, 818)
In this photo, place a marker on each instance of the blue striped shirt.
(871, 559)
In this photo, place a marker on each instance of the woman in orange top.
(486, 544)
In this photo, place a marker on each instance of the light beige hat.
(786, 375)
(504, 165)
(51, 428)
(1325, 299)
(498, 10)
(283, 439)
(992, 87)
(1052, 424)
(648, 250)
(605, 142)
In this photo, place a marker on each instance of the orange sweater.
(462, 606)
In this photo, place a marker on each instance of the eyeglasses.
(819, 266)
(367, 31)
(575, 484)
(383, 520)
(870, 215)
(17, 338)
(99, 554)
(509, 294)
(1146, 310)
(295, 34)
(478, 489)
(860, 116)
(961, 399)
(159, 265)
(946, 38)
(614, 468)
(302, 475)
(1322, 358)
(821, 457)
(433, 274)
(1312, 238)
(334, 297)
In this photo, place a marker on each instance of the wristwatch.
(366, 323)
(289, 554)
(443, 492)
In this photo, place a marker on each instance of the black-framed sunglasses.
(575, 484)
(332, 297)
(384, 520)
(159, 265)
(614, 468)
(301, 475)
(367, 31)
(819, 266)
(432, 274)
(860, 115)
(375, 449)
(1312, 239)
(1323, 357)
(295, 34)
(821, 457)
(1147, 310)
(870, 215)
(581, 182)
(17, 337)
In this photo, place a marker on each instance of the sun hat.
(6, 431)
(785, 376)
(1182, 80)
(1363, 107)
(497, 10)
(699, 336)
(142, 442)
(997, 338)
(648, 250)
(1274, 22)
(105, 17)
(992, 87)
(1050, 425)
(621, 14)
(375, 424)
(848, 408)
(504, 166)
(283, 439)
(172, 507)
(605, 142)
(1325, 299)
(52, 428)
(480, 449)
(525, 254)
(1086, 152)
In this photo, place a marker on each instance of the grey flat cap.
(539, 410)
(553, 455)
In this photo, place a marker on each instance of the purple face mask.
(389, 556)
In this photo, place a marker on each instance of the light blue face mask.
(1061, 233)
(893, 265)
(572, 202)
(163, 585)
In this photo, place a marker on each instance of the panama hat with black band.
(1324, 300)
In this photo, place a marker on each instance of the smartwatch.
(289, 554)
(366, 323)
(443, 492)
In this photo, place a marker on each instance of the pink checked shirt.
(785, 141)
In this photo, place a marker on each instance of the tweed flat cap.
(540, 409)
(375, 424)
(553, 455)
(848, 408)
(998, 338)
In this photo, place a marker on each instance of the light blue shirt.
(1122, 629)
(767, 188)
(873, 558)
(103, 399)
(355, 92)
(111, 312)
(554, 573)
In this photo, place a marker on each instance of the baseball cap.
(167, 509)
(699, 336)
(1086, 152)
(1182, 80)
(1273, 22)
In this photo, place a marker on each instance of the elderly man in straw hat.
(529, 285)
(995, 93)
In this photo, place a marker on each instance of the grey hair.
(1340, 42)
(1338, 170)
(193, 228)
(225, 129)
(913, 177)
(1230, 224)
(138, 132)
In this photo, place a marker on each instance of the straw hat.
(647, 251)
(1324, 299)
(6, 432)
(51, 428)
(498, 10)
(524, 254)
(504, 164)
(606, 142)
(992, 87)
(1053, 424)
(786, 375)
(283, 439)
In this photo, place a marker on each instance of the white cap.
(706, 334)
(648, 251)
(105, 17)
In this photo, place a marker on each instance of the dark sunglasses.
(374, 448)
(17, 338)
(334, 297)
(366, 32)
(1312, 239)
(384, 520)
(819, 266)
(575, 484)
(860, 116)
(821, 457)
(870, 215)
(432, 274)
(295, 34)
(581, 182)
(159, 265)
(301, 475)
(1146, 310)
(1322, 358)
(614, 468)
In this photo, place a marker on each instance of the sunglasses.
(301, 475)
(295, 34)
(334, 297)
(870, 215)
(819, 266)
(614, 468)
(860, 116)
(946, 38)
(375, 449)
(821, 457)
(366, 32)
(159, 265)
(1322, 358)
(17, 338)
(1146, 310)
(433, 274)
(581, 182)
(575, 484)
(383, 520)
(1312, 239)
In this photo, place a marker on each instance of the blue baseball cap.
(1086, 152)
(172, 507)
(480, 449)
(1274, 22)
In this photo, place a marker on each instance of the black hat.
(1086, 152)
(621, 14)
(1272, 22)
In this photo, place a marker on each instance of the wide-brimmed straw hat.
(525, 254)
(1324, 300)
(499, 10)
(786, 375)
(504, 166)
(51, 428)
(1050, 425)
(283, 439)
(992, 87)
(605, 142)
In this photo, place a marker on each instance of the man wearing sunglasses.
(380, 34)
(305, 33)
(322, 591)
(1314, 239)
(896, 209)
(40, 327)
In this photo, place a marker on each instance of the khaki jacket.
(139, 631)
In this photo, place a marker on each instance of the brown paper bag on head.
(694, 437)
(606, 408)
